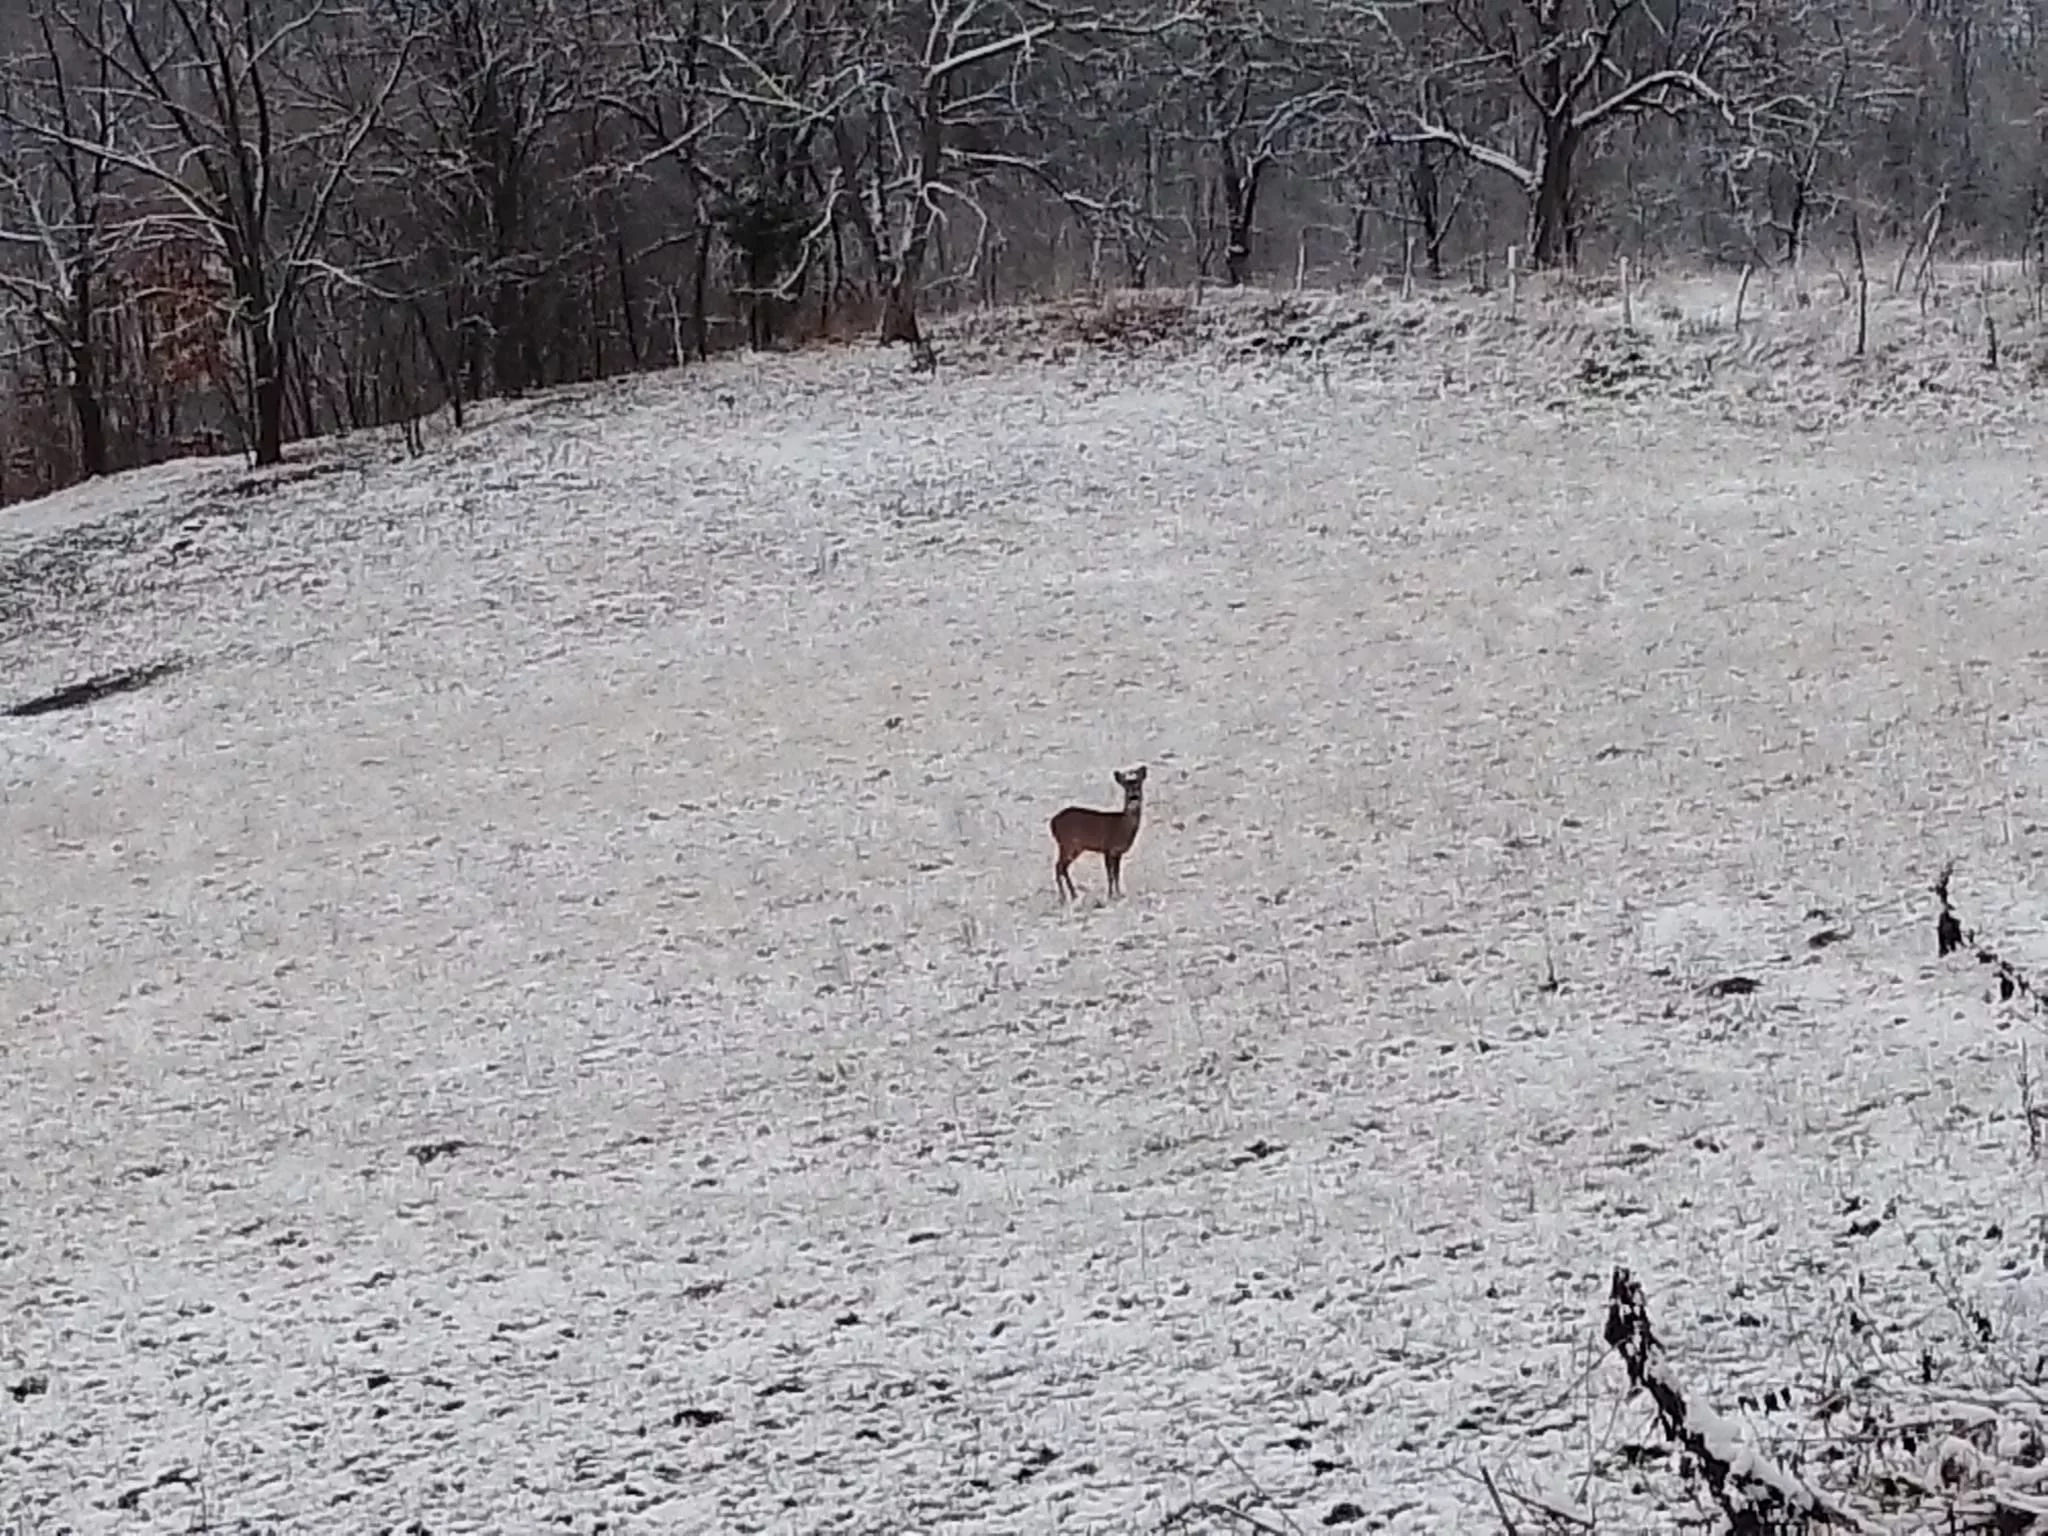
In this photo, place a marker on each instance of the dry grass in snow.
(558, 1016)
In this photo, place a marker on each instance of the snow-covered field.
(559, 1017)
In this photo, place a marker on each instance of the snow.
(560, 1016)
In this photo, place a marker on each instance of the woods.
(239, 222)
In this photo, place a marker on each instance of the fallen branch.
(103, 685)
(1757, 1494)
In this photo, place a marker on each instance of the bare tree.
(1577, 67)
(1820, 83)
(1253, 97)
(658, 86)
(470, 129)
(1379, 61)
(780, 75)
(231, 150)
(1103, 144)
(55, 209)
(925, 94)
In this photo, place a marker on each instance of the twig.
(1230, 1460)
(1206, 1509)
(1507, 1521)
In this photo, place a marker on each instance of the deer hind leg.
(1113, 865)
(1064, 880)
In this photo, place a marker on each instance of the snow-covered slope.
(559, 1016)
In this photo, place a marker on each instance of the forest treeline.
(237, 222)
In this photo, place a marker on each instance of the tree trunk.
(83, 387)
(903, 274)
(759, 302)
(700, 292)
(1241, 207)
(1425, 189)
(301, 410)
(1795, 223)
(88, 412)
(1963, 96)
(447, 374)
(840, 283)
(266, 394)
(1554, 233)
(1237, 254)
(899, 311)
(508, 341)
(629, 304)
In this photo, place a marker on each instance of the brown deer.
(1079, 830)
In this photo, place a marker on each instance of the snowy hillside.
(558, 1016)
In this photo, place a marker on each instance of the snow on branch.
(1652, 93)
(982, 53)
(1756, 1492)
(1425, 132)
